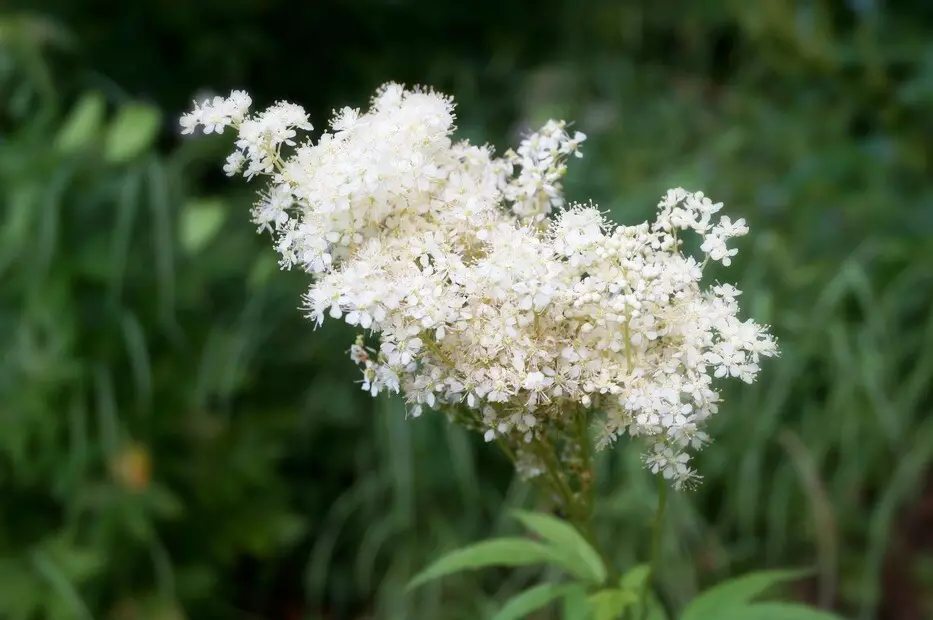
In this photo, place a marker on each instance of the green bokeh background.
(176, 441)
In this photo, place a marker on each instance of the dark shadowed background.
(176, 441)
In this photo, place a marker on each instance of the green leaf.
(265, 266)
(634, 578)
(772, 611)
(575, 606)
(531, 599)
(132, 131)
(609, 604)
(737, 592)
(581, 559)
(497, 552)
(82, 125)
(200, 222)
(633, 581)
(655, 609)
(163, 502)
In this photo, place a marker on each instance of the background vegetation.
(175, 440)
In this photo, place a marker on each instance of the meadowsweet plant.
(482, 293)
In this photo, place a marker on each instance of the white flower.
(234, 163)
(485, 291)
(401, 354)
(536, 381)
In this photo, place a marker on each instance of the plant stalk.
(556, 482)
(656, 532)
(578, 505)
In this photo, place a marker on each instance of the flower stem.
(587, 473)
(556, 483)
(577, 507)
(656, 531)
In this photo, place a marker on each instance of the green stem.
(555, 472)
(586, 528)
(505, 448)
(587, 474)
(656, 531)
(556, 482)
(578, 512)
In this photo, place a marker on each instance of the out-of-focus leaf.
(83, 125)
(131, 132)
(634, 578)
(611, 604)
(263, 268)
(201, 220)
(575, 605)
(772, 611)
(520, 605)
(738, 591)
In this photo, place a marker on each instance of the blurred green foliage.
(176, 440)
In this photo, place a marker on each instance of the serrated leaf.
(132, 131)
(581, 559)
(531, 599)
(773, 611)
(738, 592)
(200, 222)
(497, 552)
(82, 125)
(610, 604)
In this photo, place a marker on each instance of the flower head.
(492, 298)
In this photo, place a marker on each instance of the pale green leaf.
(200, 222)
(634, 578)
(634, 581)
(655, 609)
(610, 604)
(497, 552)
(581, 559)
(132, 131)
(82, 125)
(737, 592)
(531, 599)
(772, 611)
(264, 266)
(575, 605)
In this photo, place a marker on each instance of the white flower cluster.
(487, 293)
